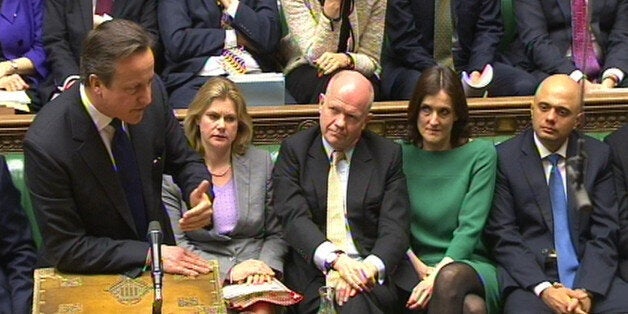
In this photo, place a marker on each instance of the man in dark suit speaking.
(554, 257)
(95, 158)
(341, 196)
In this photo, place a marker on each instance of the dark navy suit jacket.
(66, 24)
(544, 34)
(17, 249)
(191, 32)
(520, 227)
(85, 220)
(619, 146)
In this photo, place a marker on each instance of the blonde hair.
(218, 88)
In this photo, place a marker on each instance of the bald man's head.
(556, 110)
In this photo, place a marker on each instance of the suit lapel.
(86, 7)
(242, 173)
(532, 168)
(93, 152)
(360, 173)
(320, 163)
(565, 8)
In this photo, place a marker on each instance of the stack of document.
(16, 100)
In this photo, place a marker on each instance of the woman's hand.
(13, 82)
(251, 272)
(421, 294)
(329, 62)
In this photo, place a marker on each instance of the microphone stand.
(575, 173)
(154, 237)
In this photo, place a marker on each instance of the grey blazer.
(257, 234)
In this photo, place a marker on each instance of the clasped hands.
(355, 277)
(564, 300)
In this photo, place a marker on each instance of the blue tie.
(129, 176)
(566, 254)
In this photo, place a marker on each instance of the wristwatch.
(14, 66)
(330, 259)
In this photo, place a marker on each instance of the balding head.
(556, 110)
(344, 109)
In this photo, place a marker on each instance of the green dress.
(450, 196)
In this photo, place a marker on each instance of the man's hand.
(560, 300)
(584, 304)
(344, 291)
(12, 83)
(177, 260)
(355, 273)
(422, 293)
(200, 215)
(331, 9)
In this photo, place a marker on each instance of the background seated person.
(17, 249)
(323, 40)
(245, 237)
(22, 56)
(212, 38)
(450, 183)
(413, 30)
(551, 41)
(66, 24)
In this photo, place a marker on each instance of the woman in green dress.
(450, 182)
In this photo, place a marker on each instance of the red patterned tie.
(582, 46)
(104, 6)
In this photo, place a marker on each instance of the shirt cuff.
(576, 75)
(230, 39)
(614, 71)
(541, 287)
(381, 268)
(321, 252)
(233, 8)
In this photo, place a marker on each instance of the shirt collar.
(544, 152)
(100, 119)
(329, 150)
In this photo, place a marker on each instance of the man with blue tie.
(553, 256)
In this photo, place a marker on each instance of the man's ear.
(579, 120)
(95, 83)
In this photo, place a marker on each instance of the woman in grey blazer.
(245, 236)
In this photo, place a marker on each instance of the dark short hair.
(431, 82)
(219, 88)
(108, 43)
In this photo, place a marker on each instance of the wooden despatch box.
(57, 292)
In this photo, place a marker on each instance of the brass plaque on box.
(57, 292)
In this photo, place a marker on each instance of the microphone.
(575, 172)
(154, 238)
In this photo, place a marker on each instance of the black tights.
(457, 289)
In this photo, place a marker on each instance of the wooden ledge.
(497, 116)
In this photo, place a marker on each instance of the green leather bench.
(15, 162)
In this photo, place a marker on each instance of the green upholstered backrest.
(15, 161)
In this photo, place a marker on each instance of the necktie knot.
(116, 124)
(554, 159)
(337, 156)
